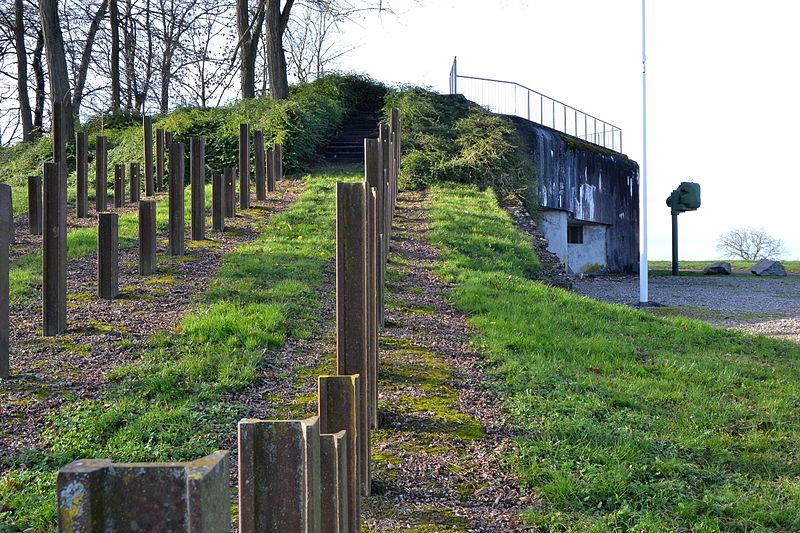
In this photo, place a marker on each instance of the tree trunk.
(38, 72)
(57, 61)
(276, 22)
(130, 56)
(22, 72)
(86, 57)
(249, 35)
(115, 85)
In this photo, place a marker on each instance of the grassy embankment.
(791, 266)
(628, 421)
(171, 404)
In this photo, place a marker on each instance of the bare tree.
(750, 244)
(56, 60)
(311, 40)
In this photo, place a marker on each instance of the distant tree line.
(99, 56)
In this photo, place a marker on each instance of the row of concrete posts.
(47, 210)
(295, 476)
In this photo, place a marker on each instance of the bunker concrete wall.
(553, 225)
(590, 255)
(592, 184)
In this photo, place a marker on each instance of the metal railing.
(511, 98)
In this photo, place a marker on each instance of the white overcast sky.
(722, 82)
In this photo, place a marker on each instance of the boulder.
(718, 268)
(768, 267)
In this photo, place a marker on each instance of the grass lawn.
(171, 404)
(627, 421)
(791, 266)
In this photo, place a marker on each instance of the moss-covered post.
(218, 202)
(147, 132)
(147, 237)
(260, 164)
(159, 178)
(101, 174)
(119, 186)
(230, 192)
(177, 223)
(244, 166)
(339, 411)
(54, 250)
(197, 173)
(108, 256)
(351, 298)
(82, 174)
(6, 209)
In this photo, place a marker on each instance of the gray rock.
(768, 267)
(718, 268)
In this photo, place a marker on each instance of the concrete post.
(374, 176)
(54, 250)
(57, 134)
(82, 172)
(101, 174)
(147, 237)
(119, 186)
(197, 172)
(96, 495)
(244, 166)
(333, 482)
(351, 291)
(279, 162)
(136, 185)
(6, 214)
(108, 256)
(271, 169)
(339, 410)
(159, 179)
(279, 476)
(168, 138)
(260, 164)
(230, 192)
(176, 216)
(35, 204)
(386, 159)
(147, 131)
(218, 202)
(372, 304)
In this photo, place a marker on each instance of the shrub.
(448, 138)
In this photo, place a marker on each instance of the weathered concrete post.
(218, 202)
(230, 192)
(119, 186)
(244, 166)
(372, 303)
(333, 482)
(54, 250)
(101, 174)
(35, 204)
(197, 173)
(339, 411)
(271, 169)
(351, 296)
(159, 184)
(386, 159)
(147, 131)
(6, 215)
(260, 164)
(57, 134)
(279, 476)
(147, 237)
(82, 172)
(168, 139)
(373, 171)
(108, 256)
(136, 185)
(177, 223)
(192, 497)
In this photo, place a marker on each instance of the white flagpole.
(643, 268)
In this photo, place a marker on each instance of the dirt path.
(50, 372)
(438, 450)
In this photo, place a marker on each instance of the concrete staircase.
(347, 147)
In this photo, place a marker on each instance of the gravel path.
(770, 306)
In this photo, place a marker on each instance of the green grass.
(628, 421)
(791, 266)
(172, 404)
